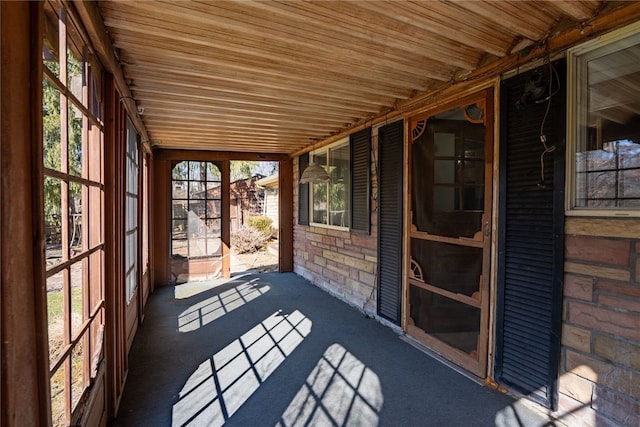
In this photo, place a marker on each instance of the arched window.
(196, 210)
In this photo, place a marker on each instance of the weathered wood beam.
(161, 154)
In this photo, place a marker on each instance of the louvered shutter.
(530, 258)
(303, 192)
(390, 219)
(360, 147)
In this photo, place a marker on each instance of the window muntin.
(604, 125)
(74, 215)
(196, 210)
(330, 200)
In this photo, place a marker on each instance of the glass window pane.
(472, 171)
(77, 372)
(197, 246)
(214, 227)
(444, 144)
(77, 313)
(196, 201)
(53, 220)
(179, 189)
(58, 401)
(75, 75)
(473, 147)
(51, 126)
(75, 217)
(75, 119)
(55, 316)
(214, 190)
(472, 198)
(197, 209)
(320, 158)
(608, 116)
(179, 209)
(196, 172)
(444, 171)
(213, 173)
(214, 209)
(320, 203)
(214, 246)
(180, 171)
(444, 199)
(197, 190)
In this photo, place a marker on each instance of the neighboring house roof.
(268, 182)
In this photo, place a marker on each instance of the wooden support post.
(226, 218)
(285, 213)
(25, 362)
(160, 222)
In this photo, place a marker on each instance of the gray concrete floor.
(274, 350)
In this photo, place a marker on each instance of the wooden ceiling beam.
(234, 136)
(423, 16)
(188, 114)
(390, 81)
(159, 58)
(125, 26)
(395, 35)
(219, 106)
(366, 41)
(519, 18)
(208, 155)
(245, 18)
(577, 10)
(253, 127)
(140, 73)
(224, 144)
(238, 97)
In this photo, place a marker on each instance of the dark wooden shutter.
(303, 192)
(360, 147)
(390, 191)
(530, 247)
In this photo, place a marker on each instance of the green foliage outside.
(261, 223)
(52, 156)
(242, 169)
(54, 302)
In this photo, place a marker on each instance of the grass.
(55, 313)
(54, 302)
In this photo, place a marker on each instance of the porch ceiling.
(275, 76)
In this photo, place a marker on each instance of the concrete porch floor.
(273, 350)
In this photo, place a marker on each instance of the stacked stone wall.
(600, 366)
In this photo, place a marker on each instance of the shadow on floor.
(274, 350)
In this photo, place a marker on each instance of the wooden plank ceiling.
(276, 76)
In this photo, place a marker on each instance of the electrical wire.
(543, 139)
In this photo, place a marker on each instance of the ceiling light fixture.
(314, 173)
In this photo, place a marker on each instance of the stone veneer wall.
(341, 262)
(600, 365)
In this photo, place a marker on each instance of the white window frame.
(575, 56)
(326, 150)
